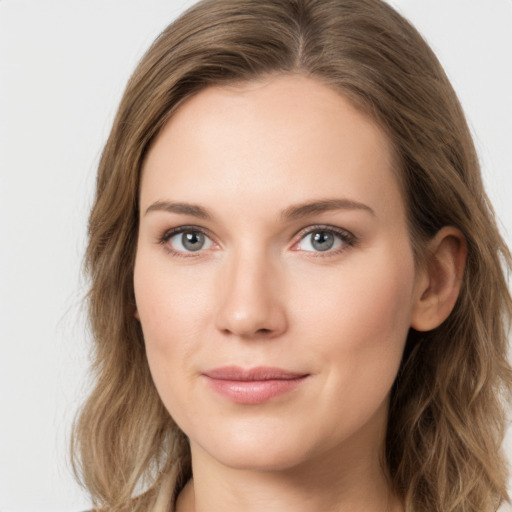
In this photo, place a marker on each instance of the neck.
(355, 485)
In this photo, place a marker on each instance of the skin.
(259, 293)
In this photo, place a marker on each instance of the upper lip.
(258, 373)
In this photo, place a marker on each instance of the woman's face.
(274, 275)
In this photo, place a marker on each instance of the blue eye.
(189, 240)
(324, 240)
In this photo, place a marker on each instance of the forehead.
(289, 134)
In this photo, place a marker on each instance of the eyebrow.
(293, 212)
(181, 208)
(298, 211)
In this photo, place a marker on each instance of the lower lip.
(254, 391)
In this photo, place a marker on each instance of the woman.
(297, 295)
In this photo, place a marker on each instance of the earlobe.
(136, 314)
(439, 282)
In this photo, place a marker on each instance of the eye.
(324, 240)
(186, 240)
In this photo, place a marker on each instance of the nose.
(251, 299)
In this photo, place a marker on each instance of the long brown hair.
(447, 412)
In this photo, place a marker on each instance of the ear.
(136, 314)
(438, 282)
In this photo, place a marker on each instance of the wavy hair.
(447, 412)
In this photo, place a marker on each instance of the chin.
(259, 449)
(259, 459)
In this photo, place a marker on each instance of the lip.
(252, 385)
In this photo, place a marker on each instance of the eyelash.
(167, 235)
(347, 238)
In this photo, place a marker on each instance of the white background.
(63, 66)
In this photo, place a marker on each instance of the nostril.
(252, 317)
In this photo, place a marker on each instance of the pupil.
(192, 241)
(323, 241)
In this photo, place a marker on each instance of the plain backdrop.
(63, 67)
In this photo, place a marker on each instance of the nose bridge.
(251, 299)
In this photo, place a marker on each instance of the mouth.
(254, 385)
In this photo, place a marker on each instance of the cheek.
(359, 326)
(168, 301)
(362, 316)
(170, 330)
(167, 305)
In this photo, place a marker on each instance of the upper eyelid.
(182, 229)
(324, 227)
(304, 230)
